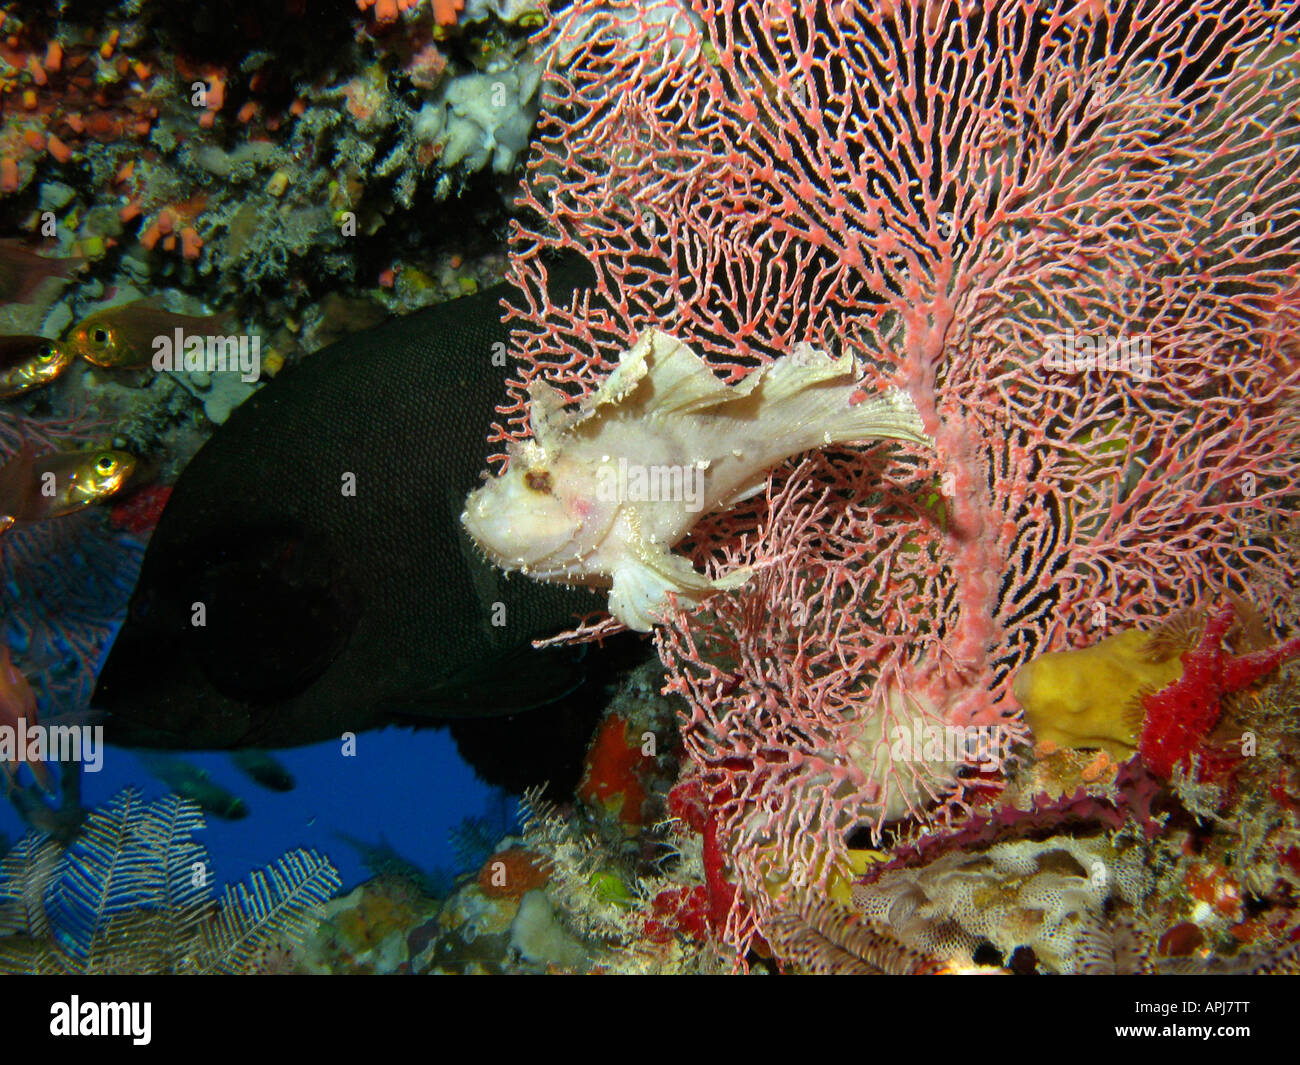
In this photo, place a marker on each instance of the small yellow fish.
(122, 338)
(50, 486)
(28, 362)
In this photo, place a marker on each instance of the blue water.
(65, 586)
(411, 788)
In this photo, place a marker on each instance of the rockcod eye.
(538, 481)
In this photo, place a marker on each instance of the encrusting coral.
(1025, 894)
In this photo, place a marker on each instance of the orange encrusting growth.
(388, 11)
(612, 781)
(512, 873)
(63, 101)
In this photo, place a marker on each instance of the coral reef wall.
(244, 152)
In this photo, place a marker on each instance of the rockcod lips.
(309, 575)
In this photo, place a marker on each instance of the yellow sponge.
(1092, 697)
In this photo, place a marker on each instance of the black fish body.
(309, 576)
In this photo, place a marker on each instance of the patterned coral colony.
(1001, 681)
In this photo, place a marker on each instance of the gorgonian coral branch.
(1059, 228)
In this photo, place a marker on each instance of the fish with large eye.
(30, 362)
(98, 344)
(38, 488)
(122, 338)
(82, 479)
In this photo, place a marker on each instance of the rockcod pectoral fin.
(639, 596)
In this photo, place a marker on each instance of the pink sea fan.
(1064, 228)
(50, 432)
